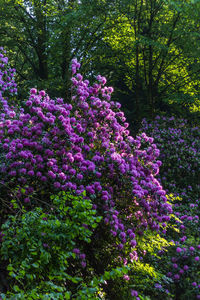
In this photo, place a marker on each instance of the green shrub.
(40, 248)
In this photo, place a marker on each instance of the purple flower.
(120, 246)
(57, 185)
(126, 277)
(158, 286)
(51, 174)
(194, 284)
(178, 250)
(185, 267)
(83, 264)
(133, 243)
(76, 251)
(42, 93)
(134, 293)
(176, 276)
(82, 256)
(27, 200)
(31, 173)
(33, 91)
(122, 235)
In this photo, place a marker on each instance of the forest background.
(148, 50)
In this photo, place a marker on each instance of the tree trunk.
(66, 55)
(41, 39)
(65, 66)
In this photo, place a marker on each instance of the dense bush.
(84, 150)
(179, 142)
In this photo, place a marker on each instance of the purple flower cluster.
(8, 87)
(187, 255)
(81, 256)
(135, 294)
(182, 141)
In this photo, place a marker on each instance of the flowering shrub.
(7, 82)
(8, 87)
(179, 143)
(50, 146)
(181, 140)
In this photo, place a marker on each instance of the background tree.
(154, 47)
(44, 36)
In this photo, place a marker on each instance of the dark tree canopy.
(148, 49)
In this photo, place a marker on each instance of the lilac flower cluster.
(135, 294)
(185, 256)
(80, 256)
(182, 141)
(51, 145)
(7, 74)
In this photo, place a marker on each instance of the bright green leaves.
(39, 246)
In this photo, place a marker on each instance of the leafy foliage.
(43, 246)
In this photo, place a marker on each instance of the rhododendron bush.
(83, 149)
(179, 142)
